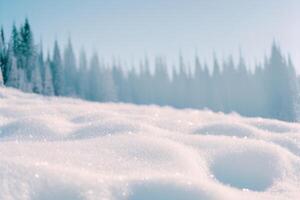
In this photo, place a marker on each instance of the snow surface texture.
(60, 148)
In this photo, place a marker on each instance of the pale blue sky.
(132, 28)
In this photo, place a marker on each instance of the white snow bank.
(60, 148)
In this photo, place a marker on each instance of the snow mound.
(27, 129)
(274, 126)
(248, 168)
(149, 190)
(55, 192)
(104, 128)
(60, 148)
(226, 129)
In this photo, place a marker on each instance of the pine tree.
(216, 103)
(23, 83)
(57, 71)
(179, 84)
(27, 50)
(13, 77)
(146, 89)
(228, 91)
(280, 93)
(294, 89)
(200, 85)
(2, 45)
(15, 42)
(70, 71)
(242, 97)
(207, 87)
(48, 89)
(26, 37)
(121, 82)
(83, 75)
(109, 91)
(36, 79)
(3, 57)
(1, 77)
(94, 91)
(40, 62)
(161, 82)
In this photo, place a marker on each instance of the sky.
(132, 29)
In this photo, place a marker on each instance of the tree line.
(270, 90)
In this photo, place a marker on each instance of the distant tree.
(241, 95)
(207, 87)
(94, 90)
(27, 50)
(279, 87)
(48, 89)
(179, 82)
(13, 77)
(146, 79)
(3, 57)
(41, 62)
(70, 71)
(228, 87)
(161, 82)
(217, 100)
(83, 75)
(257, 94)
(15, 42)
(200, 85)
(293, 89)
(109, 91)
(36, 79)
(57, 71)
(23, 82)
(195, 79)
(117, 76)
(132, 87)
(1, 77)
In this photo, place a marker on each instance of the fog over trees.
(270, 90)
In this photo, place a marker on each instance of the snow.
(61, 148)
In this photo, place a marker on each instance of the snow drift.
(60, 148)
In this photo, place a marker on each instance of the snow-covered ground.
(60, 148)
